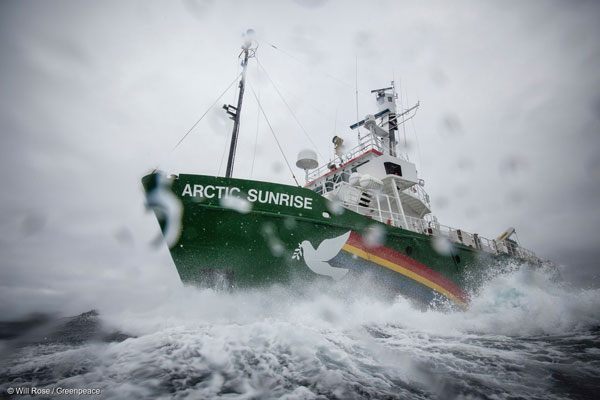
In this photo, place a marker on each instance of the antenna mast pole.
(356, 93)
(393, 123)
(235, 112)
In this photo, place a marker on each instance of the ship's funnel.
(307, 159)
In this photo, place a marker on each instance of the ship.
(363, 215)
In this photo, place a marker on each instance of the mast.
(235, 112)
(390, 119)
(392, 123)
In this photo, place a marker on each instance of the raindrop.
(362, 39)
(311, 3)
(275, 244)
(124, 236)
(289, 223)
(268, 229)
(167, 207)
(235, 203)
(440, 202)
(472, 212)
(452, 124)
(461, 190)
(335, 207)
(198, 9)
(277, 167)
(218, 121)
(32, 223)
(442, 245)
(276, 247)
(465, 164)
(515, 196)
(375, 235)
(439, 77)
(514, 164)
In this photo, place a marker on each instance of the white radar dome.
(307, 159)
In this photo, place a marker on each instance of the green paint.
(258, 246)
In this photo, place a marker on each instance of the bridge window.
(392, 169)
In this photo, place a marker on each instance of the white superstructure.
(372, 179)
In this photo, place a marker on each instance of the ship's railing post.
(379, 207)
(399, 202)
(389, 204)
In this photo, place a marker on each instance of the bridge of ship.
(399, 201)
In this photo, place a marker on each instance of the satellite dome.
(307, 159)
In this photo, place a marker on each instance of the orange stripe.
(398, 258)
(404, 271)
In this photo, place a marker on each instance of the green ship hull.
(247, 234)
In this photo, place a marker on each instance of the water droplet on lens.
(235, 203)
(335, 207)
(32, 223)
(276, 167)
(289, 223)
(374, 236)
(442, 245)
(124, 236)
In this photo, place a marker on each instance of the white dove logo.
(317, 259)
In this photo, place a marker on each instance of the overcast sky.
(95, 94)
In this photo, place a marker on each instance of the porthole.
(457, 258)
(408, 250)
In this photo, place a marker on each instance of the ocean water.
(524, 336)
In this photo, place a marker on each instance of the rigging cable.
(407, 103)
(356, 93)
(402, 108)
(288, 107)
(223, 156)
(274, 136)
(206, 112)
(417, 140)
(341, 81)
(255, 140)
(346, 85)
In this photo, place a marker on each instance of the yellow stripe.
(404, 271)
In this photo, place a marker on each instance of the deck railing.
(418, 192)
(432, 227)
(341, 159)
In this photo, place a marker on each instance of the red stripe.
(408, 263)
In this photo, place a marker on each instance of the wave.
(526, 301)
(524, 335)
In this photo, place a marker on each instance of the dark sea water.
(525, 336)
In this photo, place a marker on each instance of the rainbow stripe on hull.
(410, 277)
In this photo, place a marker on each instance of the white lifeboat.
(370, 182)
